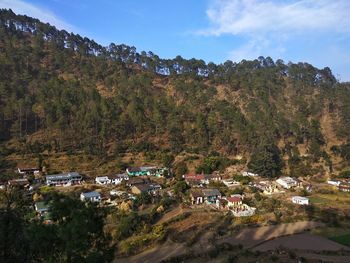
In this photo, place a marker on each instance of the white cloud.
(282, 17)
(255, 47)
(23, 8)
(316, 31)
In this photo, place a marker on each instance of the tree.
(180, 187)
(180, 169)
(75, 235)
(266, 161)
(167, 160)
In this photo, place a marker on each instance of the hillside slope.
(62, 93)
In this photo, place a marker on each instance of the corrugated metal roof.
(63, 176)
(91, 194)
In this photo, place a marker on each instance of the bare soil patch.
(156, 254)
(303, 241)
(250, 237)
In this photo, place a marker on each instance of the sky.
(313, 31)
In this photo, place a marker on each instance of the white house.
(91, 196)
(66, 179)
(234, 201)
(230, 183)
(334, 182)
(300, 200)
(118, 178)
(28, 170)
(287, 182)
(115, 192)
(249, 174)
(102, 180)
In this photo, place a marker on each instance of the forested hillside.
(63, 93)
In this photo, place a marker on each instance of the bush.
(344, 174)
(134, 244)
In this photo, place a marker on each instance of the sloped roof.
(234, 199)
(211, 192)
(91, 194)
(41, 206)
(116, 176)
(143, 187)
(196, 193)
(63, 176)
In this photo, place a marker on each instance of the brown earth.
(156, 254)
(251, 237)
(170, 215)
(324, 258)
(302, 241)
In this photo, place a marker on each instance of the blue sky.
(313, 31)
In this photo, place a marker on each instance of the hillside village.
(107, 153)
(216, 191)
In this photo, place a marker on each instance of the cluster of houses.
(199, 180)
(138, 181)
(213, 197)
(199, 194)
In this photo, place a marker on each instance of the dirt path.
(155, 254)
(303, 241)
(250, 237)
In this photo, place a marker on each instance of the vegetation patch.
(135, 244)
(344, 239)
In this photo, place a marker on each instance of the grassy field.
(336, 200)
(344, 239)
(318, 200)
(339, 235)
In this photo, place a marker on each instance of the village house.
(90, 197)
(288, 182)
(137, 180)
(334, 182)
(118, 178)
(147, 171)
(271, 189)
(234, 201)
(215, 177)
(211, 195)
(230, 183)
(41, 207)
(300, 200)
(235, 205)
(115, 192)
(344, 187)
(194, 179)
(152, 189)
(102, 180)
(66, 179)
(23, 170)
(267, 187)
(196, 196)
(18, 182)
(249, 174)
(43, 210)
